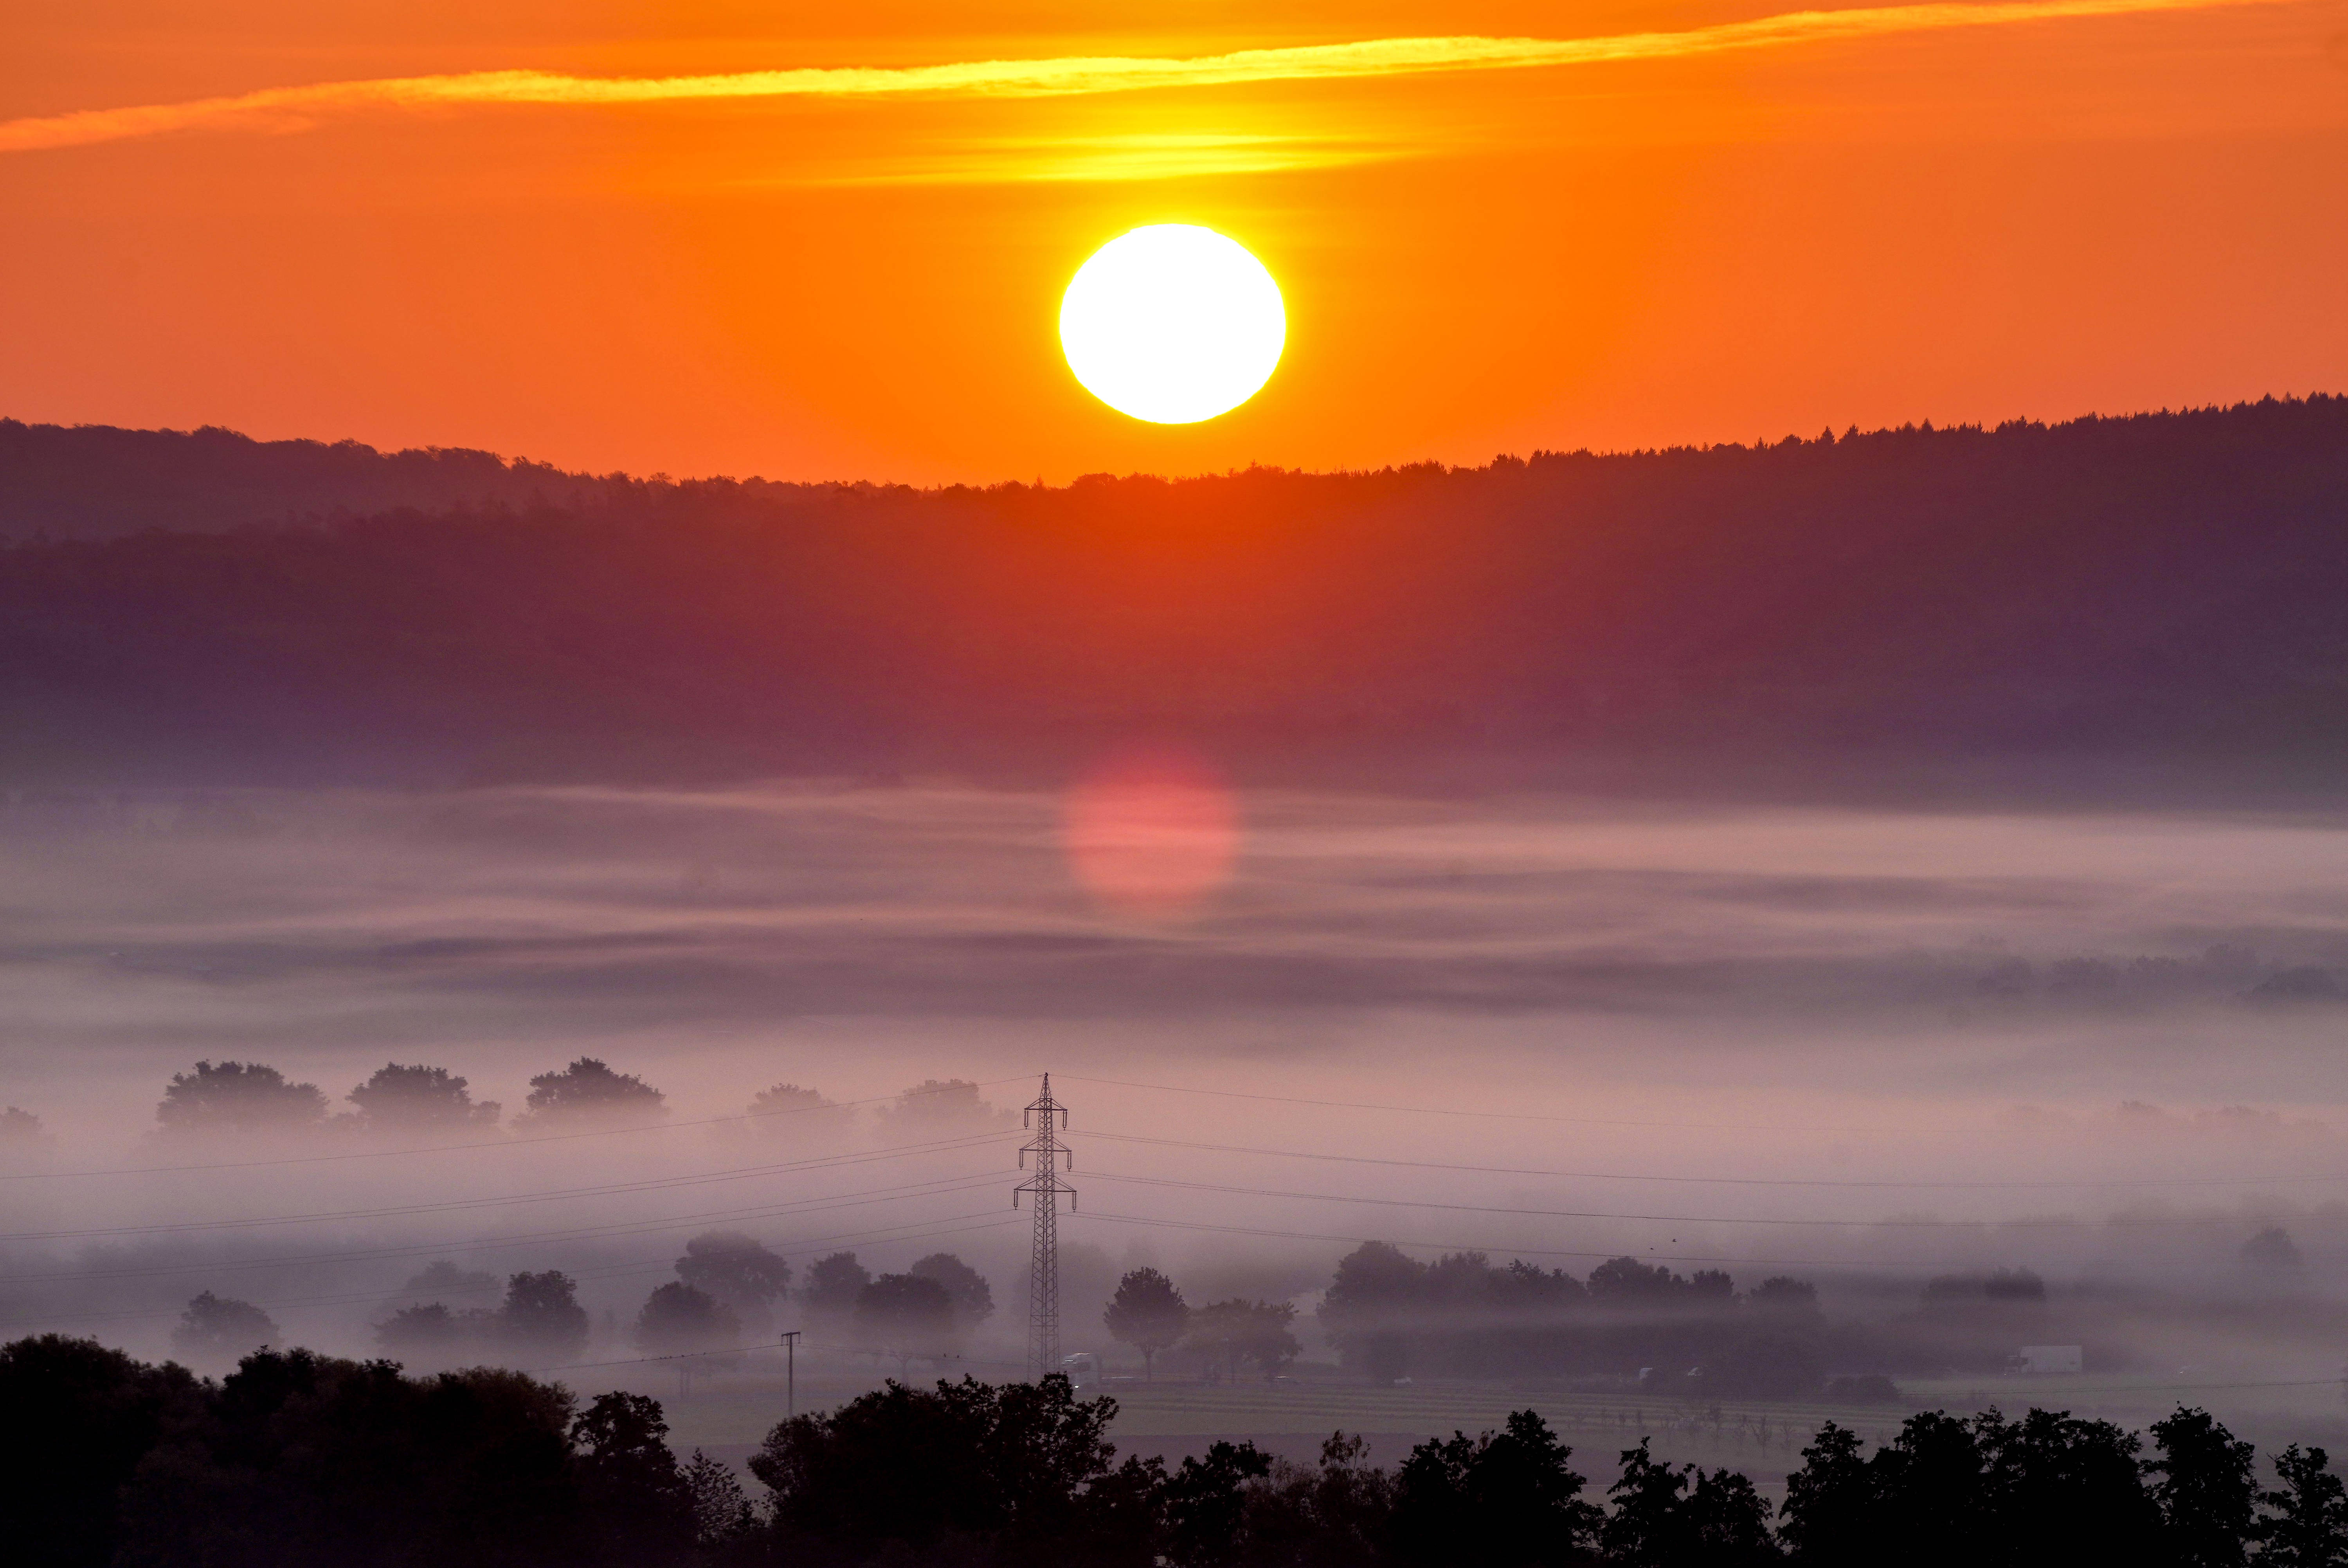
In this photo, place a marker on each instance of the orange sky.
(2042, 217)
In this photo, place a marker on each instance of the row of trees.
(538, 1322)
(296, 1460)
(725, 1297)
(408, 1101)
(248, 1097)
(1149, 1313)
(1389, 1315)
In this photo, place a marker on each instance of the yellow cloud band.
(275, 108)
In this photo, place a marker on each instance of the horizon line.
(1827, 436)
(295, 108)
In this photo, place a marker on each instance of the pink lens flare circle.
(1152, 832)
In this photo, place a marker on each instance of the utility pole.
(791, 1373)
(1045, 1119)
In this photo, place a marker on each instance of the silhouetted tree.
(1337, 1513)
(2206, 1491)
(639, 1508)
(1831, 1518)
(739, 1271)
(787, 1100)
(973, 1299)
(724, 1520)
(786, 1113)
(906, 1316)
(1506, 1500)
(1685, 1518)
(834, 1282)
(427, 1336)
(1931, 1479)
(19, 1126)
(1149, 1314)
(419, 1099)
(216, 1331)
(912, 1471)
(541, 1317)
(1205, 1503)
(588, 1093)
(300, 1460)
(1782, 1298)
(1240, 1332)
(1727, 1523)
(237, 1097)
(2309, 1524)
(2271, 1257)
(2013, 1284)
(678, 1320)
(75, 1419)
(2071, 1489)
(1371, 1309)
(1646, 1527)
(933, 1110)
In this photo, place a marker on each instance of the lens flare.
(1151, 833)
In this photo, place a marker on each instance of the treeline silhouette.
(233, 1102)
(296, 1459)
(99, 481)
(2165, 582)
(1463, 1315)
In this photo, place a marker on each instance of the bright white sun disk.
(1172, 324)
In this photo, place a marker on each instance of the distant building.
(2041, 1358)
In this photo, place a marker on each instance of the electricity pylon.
(1045, 1119)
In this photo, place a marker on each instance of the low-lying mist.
(1868, 1049)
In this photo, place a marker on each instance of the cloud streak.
(296, 107)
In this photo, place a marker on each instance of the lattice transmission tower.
(1046, 1117)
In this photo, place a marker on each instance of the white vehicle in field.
(1083, 1368)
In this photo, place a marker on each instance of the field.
(727, 1415)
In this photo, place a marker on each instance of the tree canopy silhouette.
(1149, 1314)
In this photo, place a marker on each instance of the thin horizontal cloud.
(1123, 158)
(281, 109)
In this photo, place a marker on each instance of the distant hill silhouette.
(2169, 584)
(96, 482)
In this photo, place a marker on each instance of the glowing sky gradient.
(286, 108)
(705, 237)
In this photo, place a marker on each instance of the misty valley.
(514, 1126)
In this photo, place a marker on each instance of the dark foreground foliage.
(298, 1460)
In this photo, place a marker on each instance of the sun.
(1172, 324)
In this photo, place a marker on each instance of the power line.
(657, 1184)
(1492, 1115)
(1488, 1247)
(1690, 1219)
(494, 1142)
(748, 1349)
(1718, 1180)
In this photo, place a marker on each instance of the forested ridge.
(2164, 583)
